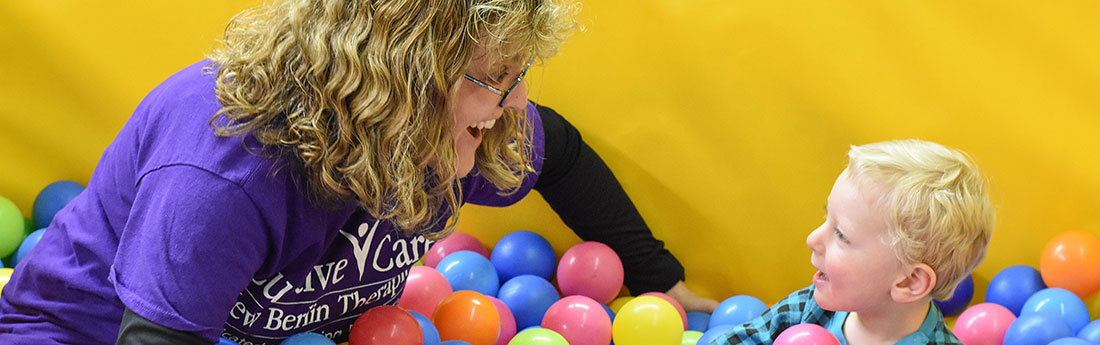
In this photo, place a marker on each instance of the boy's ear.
(916, 285)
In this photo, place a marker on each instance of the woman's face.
(475, 108)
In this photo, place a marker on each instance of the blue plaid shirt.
(800, 307)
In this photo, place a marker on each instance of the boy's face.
(856, 264)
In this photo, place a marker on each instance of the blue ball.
(958, 302)
(1070, 341)
(224, 341)
(51, 199)
(698, 321)
(454, 342)
(1061, 302)
(25, 248)
(714, 333)
(523, 252)
(467, 270)
(1013, 285)
(307, 338)
(1036, 328)
(431, 334)
(1090, 332)
(610, 313)
(529, 297)
(737, 310)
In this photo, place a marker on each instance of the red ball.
(386, 325)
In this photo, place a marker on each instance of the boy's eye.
(840, 235)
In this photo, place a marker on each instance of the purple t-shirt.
(192, 231)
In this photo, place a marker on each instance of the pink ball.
(590, 269)
(806, 334)
(456, 242)
(424, 289)
(507, 322)
(983, 324)
(581, 320)
(674, 302)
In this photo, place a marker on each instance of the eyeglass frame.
(503, 93)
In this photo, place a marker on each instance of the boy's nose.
(813, 240)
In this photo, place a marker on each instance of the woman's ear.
(914, 286)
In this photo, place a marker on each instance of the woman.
(288, 183)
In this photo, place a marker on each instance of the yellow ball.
(647, 320)
(5, 276)
(618, 303)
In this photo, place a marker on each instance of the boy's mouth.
(820, 277)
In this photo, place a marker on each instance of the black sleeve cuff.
(137, 330)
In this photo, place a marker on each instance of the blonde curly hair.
(938, 202)
(357, 92)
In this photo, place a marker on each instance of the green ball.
(12, 227)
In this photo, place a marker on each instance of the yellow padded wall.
(726, 121)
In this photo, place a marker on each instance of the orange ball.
(468, 316)
(1071, 261)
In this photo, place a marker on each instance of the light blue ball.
(431, 333)
(523, 252)
(1070, 341)
(52, 199)
(1036, 328)
(1061, 302)
(467, 270)
(26, 247)
(714, 333)
(737, 310)
(307, 338)
(1090, 332)
(454, 342)
(1013, 285)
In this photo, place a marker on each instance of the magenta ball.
(456, 242)
(674, 302)
(806, 334)
(581, 320)
(983, 324)
(590, 269)
(424, 289)
(507, 322)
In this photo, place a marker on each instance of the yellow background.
(726, 121)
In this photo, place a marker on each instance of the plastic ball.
(610, 314)
(427, 328)
(424, 289)
(1070, 341)
(456, 242)
(591, 269)
(386, 325)
(1091, 332)
(958, 302)
(507, 321)
(806, 334)
(454, 342)
(1071, 260)
(1013, 285)
(466, 270)
(307, 338)
(713, 333)
(1036, 328)
(1059, 302)
(691, 338)
(673, 302)
(538, 336)
(618, 303)
(5, 276)
(581, 320)
(647, 320)
(26, 246)
(523, 252)
(983, 324)
(468, 316)
(737, 310)
(698, 321)
(11, 227)
(528, 297)
(53, 198)
(224, 341)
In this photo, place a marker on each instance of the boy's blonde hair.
(938, 203)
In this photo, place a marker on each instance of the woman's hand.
(689, 300)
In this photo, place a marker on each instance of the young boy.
(905, 223)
